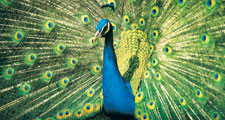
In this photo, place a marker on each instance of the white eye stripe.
(103, 28)
(108, 27)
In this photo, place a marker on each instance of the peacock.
(112, 59)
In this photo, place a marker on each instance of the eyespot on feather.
(18, 36)
(182, 3)
(139, 96)
(30, 58)
(59, 48)
(47, 76)
(8, 73)
(48, 25)
(151, 105)
(126, 19)
(88, 108)
(67, 114)
(155, 11)
(90, 92)
(25, 88)
(95, 69)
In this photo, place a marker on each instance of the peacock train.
(112, 59)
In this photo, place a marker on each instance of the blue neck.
(117, 96)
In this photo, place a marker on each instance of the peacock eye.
(63, 82)
(25, 88)
(205, 39)
(18, 36)
(61, 114)
(90, 92)
(67, 112)
(92, 43)
(141, 22)
(88, 108)
(198, 92)
(144, 117)
(96, 69)
(139, 112)
(211, 4)
(139, 95)
(217, 77)
(114, 27)
(126, 19)
(79, 112)
(60, 48)
(8, 73)
(215, 115)
(151, 103)
(112, 3)
(47, 76)
(85, 19)
(72, 62)
(155, 34)
(181, 100)
(158, 76)
(182, 3)
(151, 48)
(49, 25)
(30, 58)
(167, 50)
(154, 62)
(155, 11)
(116, 45)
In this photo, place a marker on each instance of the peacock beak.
(97, 35)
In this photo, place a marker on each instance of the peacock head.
(103, 28)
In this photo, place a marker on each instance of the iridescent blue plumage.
(118, 97)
